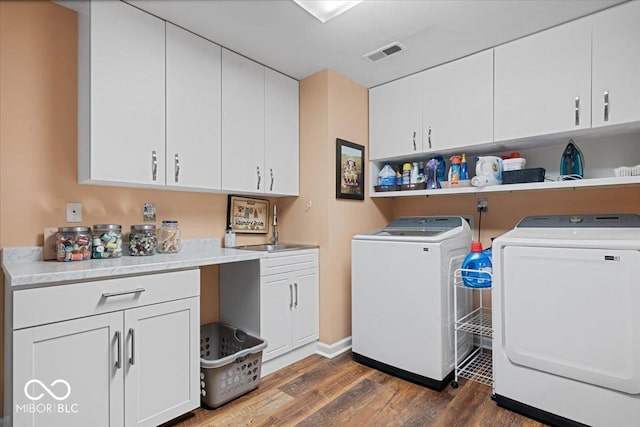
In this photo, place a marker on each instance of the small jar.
(107, 241)
(169, 237)
(73, 243)
(143, 240)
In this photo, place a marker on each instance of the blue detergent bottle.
(478, 260)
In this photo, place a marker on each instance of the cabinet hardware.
(606, 105)
(295, 285)
(258, 172)
(154, 164)
(271, 186)
(177, 167)
(414, 140)
(132, 334)
(577, 106)
(429, 137)
(116, 294)
(119, 340)
(290, 296)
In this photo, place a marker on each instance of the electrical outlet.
(482, 205)
(74, 212)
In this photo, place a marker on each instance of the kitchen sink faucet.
(274, 237)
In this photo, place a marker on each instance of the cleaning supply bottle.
(421, 177)
(454, 171)
(572, 162)
(442, 168)
(229, 237)
(386, 176)
(464, 175)
(476, 268)
(399, 175)
(406, 173)
(414, 173)
(432, 175)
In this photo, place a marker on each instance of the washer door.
(574, 313)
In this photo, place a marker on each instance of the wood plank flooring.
(340, 392)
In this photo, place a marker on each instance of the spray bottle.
(464, 175)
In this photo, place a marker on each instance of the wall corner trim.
(332, 350)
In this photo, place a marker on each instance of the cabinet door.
(616, 65)
(73, 373)
(306, 306)
(127, 96)
(242, 124)
(395, 118)
(458, 103)
(543, 82)
(193, 111)
(281, 134)
(162, 361)
(276, 307)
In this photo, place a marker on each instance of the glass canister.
(106, 241)
(169, 237)
(143, 240)
(73, 243)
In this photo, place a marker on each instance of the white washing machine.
(566, 319)
(402, 297)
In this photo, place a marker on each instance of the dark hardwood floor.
(340, 392)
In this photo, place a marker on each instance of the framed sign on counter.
(349, 170)
(247, 215)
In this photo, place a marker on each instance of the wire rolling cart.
(477, 366)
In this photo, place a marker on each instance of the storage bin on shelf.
(230, 363)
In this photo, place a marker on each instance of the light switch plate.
(49, 247)
(74, 212)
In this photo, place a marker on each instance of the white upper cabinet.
(281, 134)
(193, 151)
(395, 118)
(543, 83)
(242, 124)
(121, 102)
(616, 65)
(457, 109)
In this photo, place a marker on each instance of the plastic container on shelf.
(454, 171)
(73, 243)
(106, 241)
(477, 268)
(230, 363)
(143, 240)
(229, 237)
(387, 176)
(169, 237)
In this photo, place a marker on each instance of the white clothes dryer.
(402, 297)
(566, 319)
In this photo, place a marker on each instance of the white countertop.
(24, 266)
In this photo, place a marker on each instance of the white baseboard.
(332, 350)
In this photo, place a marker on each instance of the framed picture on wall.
(349, 170)
(247, 215)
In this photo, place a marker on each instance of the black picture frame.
(247, 215)
(350, 169)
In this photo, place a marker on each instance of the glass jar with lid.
(73, 243)
(106, 241)
(143, 240)
(169, 237)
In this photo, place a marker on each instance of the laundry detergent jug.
(488, 171)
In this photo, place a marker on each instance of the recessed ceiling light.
(325, 10)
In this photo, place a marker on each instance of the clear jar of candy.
(143, 240)
(106, 241)
(73, 243)
(169, 237)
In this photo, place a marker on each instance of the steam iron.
(571, 163)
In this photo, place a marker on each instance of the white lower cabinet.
(136, 366)
(276, 298)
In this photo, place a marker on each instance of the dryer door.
(574, 313)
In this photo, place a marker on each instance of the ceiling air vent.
(384, 52)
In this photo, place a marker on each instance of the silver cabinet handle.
(295, 285)
(154, 164)
(271, 186)
(177, 167)
(290, 296)
(258, 172)
(606, 105)
(115, 294)
(429, 137)
(414, 141)
(577, 106)
(132, 334)
(119, 340)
